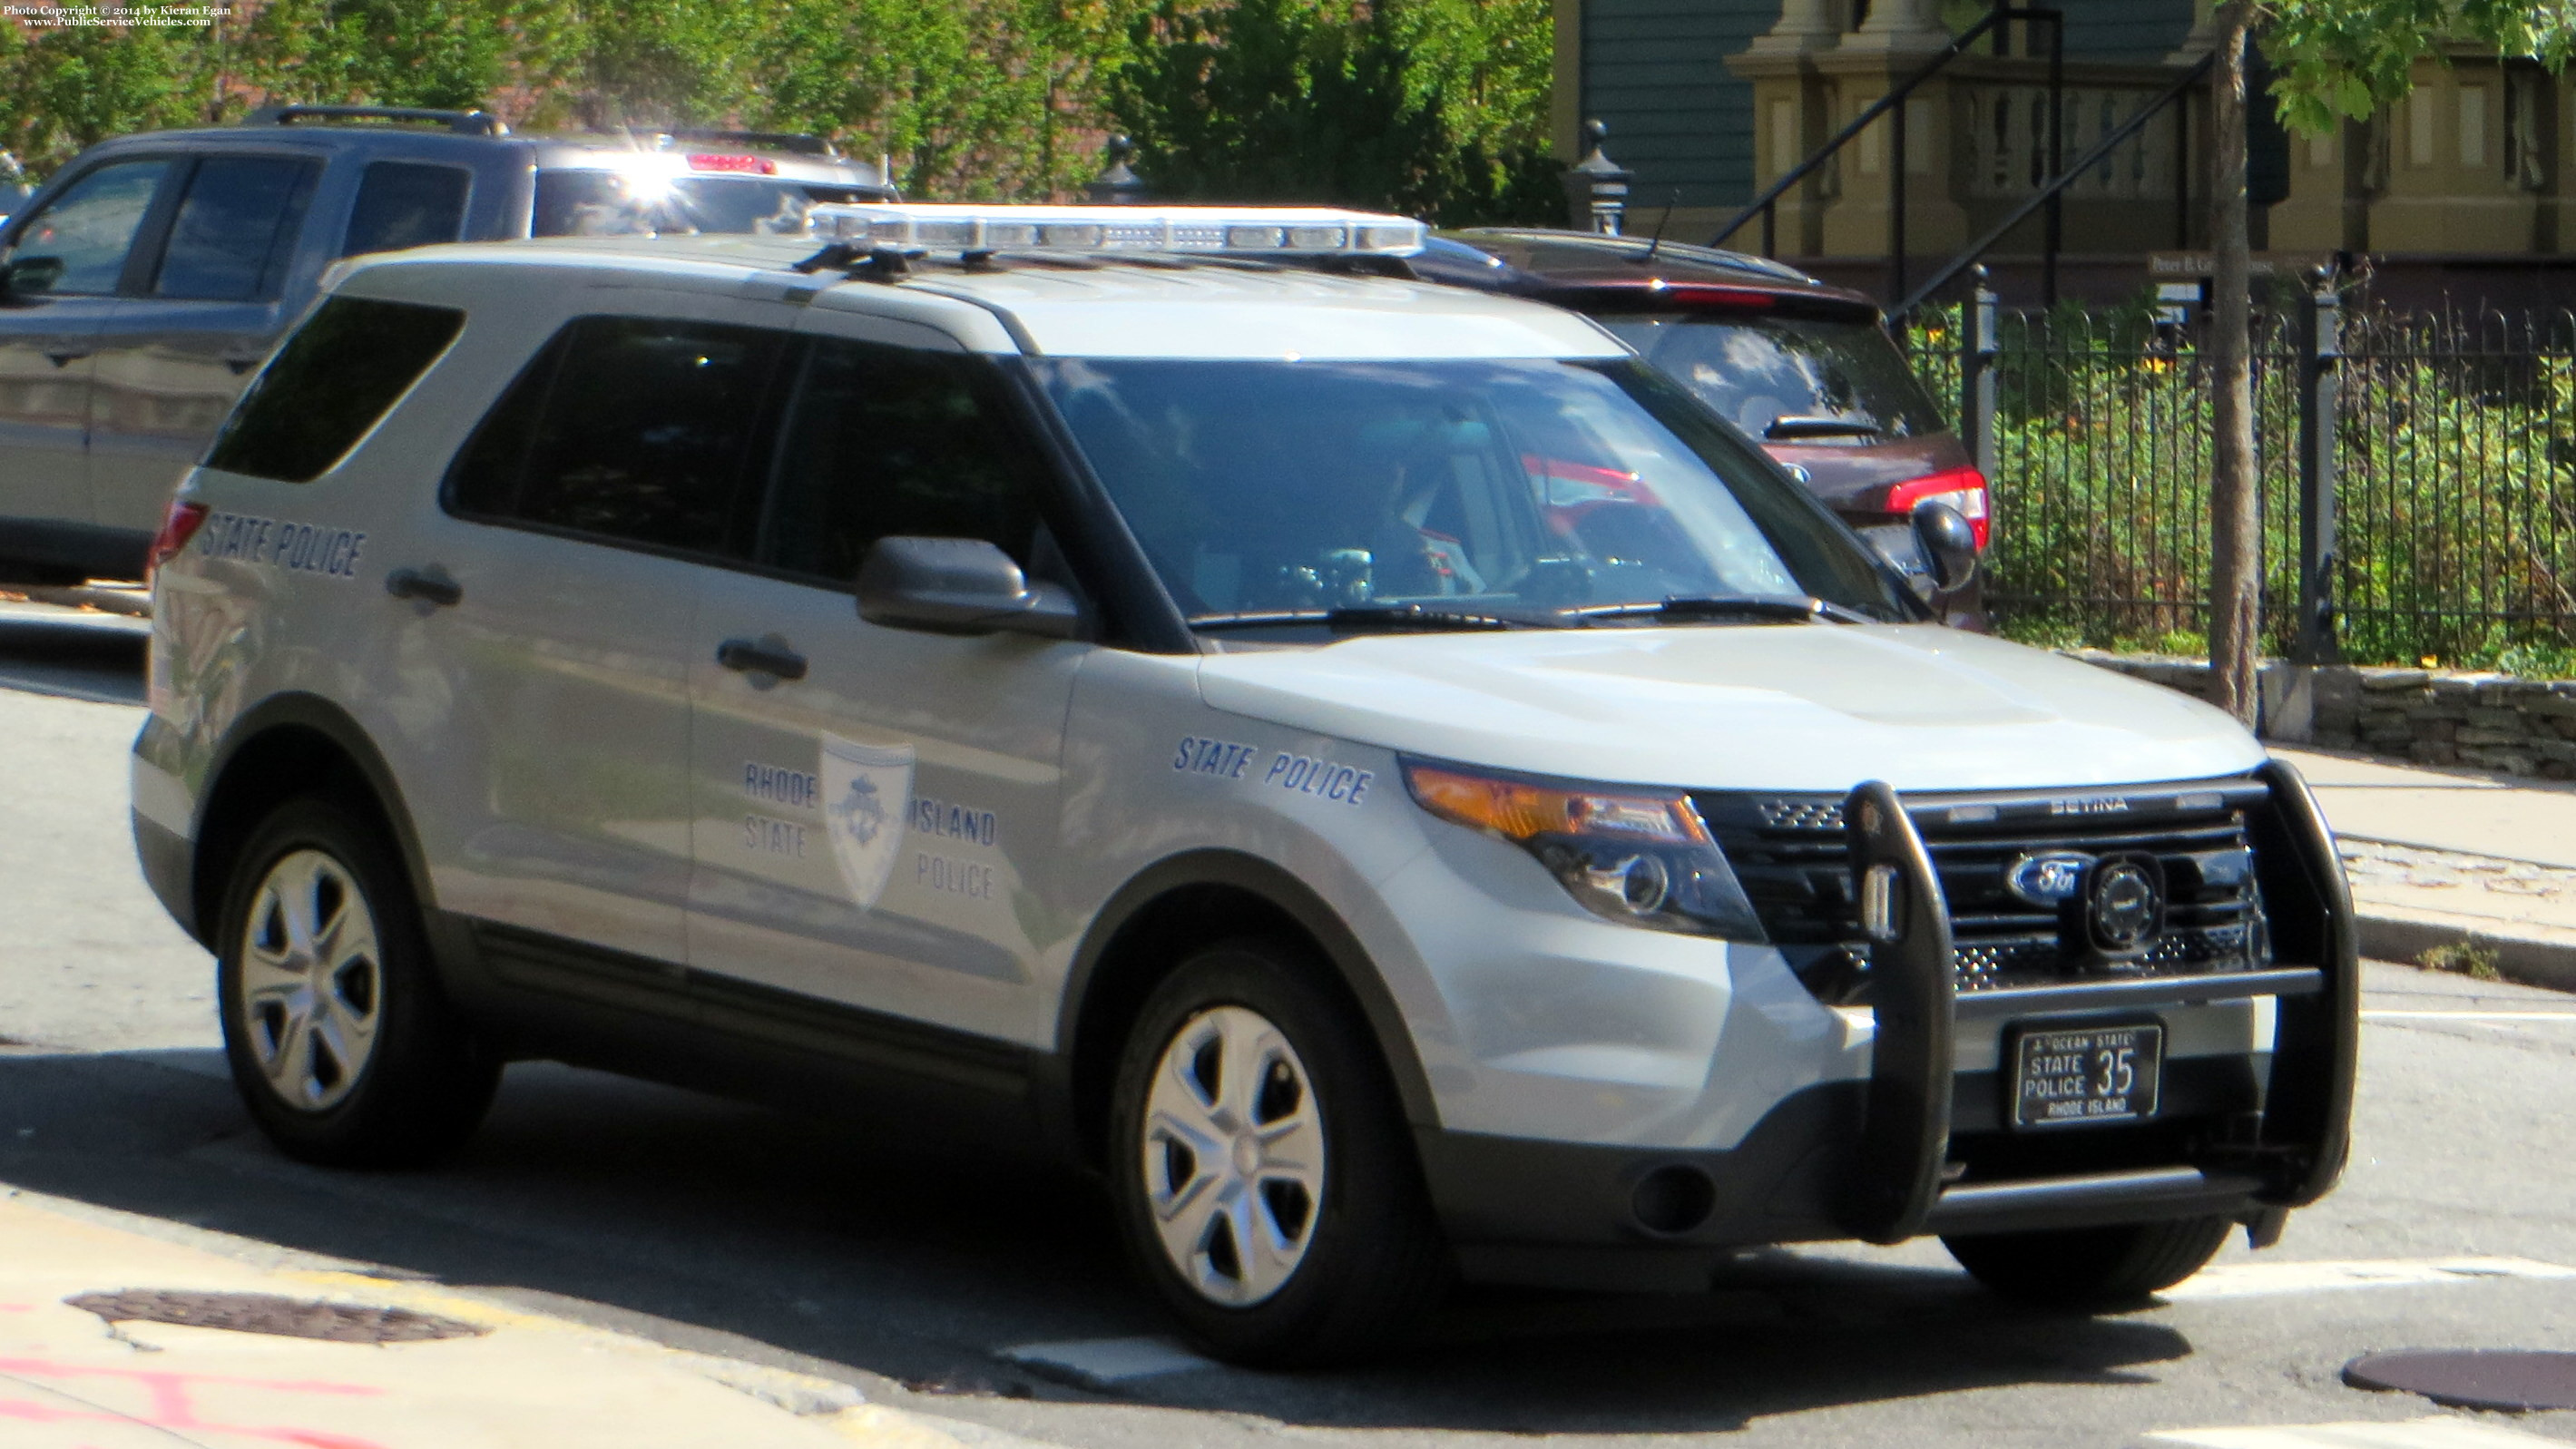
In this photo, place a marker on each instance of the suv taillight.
(178, 526)
(1962, 488)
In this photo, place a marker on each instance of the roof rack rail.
(464, 123)
(801, 143)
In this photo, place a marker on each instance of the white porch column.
(1900, 25)
(1804, 25)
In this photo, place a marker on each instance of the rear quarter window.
(340, 373)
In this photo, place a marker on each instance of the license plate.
(2085, 1076)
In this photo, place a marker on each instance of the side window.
(885, 440)
(406, 204)
(341, 371)
(633, 428)
(236, 229)
(85, 233)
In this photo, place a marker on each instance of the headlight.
(1642, 857)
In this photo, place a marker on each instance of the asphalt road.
(911, 1266)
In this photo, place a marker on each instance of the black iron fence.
(2418, 477)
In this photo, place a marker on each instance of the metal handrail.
(2051, 188)
(1765, 205)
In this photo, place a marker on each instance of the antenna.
(1658, 239)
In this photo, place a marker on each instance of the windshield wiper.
(1786, 427)
(1748, 606)
(1359, 617)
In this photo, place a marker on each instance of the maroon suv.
(1806, 369)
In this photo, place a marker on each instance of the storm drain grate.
(2515, 1380)
(268, 1313)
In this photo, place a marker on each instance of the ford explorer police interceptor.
(1162, 677)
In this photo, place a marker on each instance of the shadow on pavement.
(906, 1256)
(93, 657)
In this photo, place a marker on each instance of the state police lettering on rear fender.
(303, 548)
(1309, 776)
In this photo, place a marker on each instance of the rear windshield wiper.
(1782, 428)
(1744, 606)
(1361, 617)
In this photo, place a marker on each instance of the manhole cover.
(268, 1313)
(2511, 1379)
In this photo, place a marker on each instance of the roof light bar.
(1208, 230)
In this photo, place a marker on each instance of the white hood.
(1778, 707)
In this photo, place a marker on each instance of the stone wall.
(2429, 716)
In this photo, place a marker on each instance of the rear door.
(48, 338)
(873, 831)
(203, 310)
(583, 516)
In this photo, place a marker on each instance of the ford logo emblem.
(2124, 903)
(2051, 879)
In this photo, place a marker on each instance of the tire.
(1354, 1257)
(2085, 1268)
(340, 1041)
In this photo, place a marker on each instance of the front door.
(67, 260)
(873, 808)
(176, 352)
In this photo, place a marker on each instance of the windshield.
(1758, 370)
(648, 203)
(1516, 489)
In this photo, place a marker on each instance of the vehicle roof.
(1134, 307)
(550, 149)
(1536, 261)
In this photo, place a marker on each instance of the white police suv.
(1372, 768)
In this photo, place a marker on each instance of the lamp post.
(1117, 184)
(1596, 187)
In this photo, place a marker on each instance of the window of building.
(340, 373)
(236, 228)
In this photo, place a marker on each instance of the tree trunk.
(2235, 516)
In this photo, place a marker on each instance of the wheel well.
(281, 763)
(1149, 946)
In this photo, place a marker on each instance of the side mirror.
(959, 586)
(26, 278)
(1948, 542)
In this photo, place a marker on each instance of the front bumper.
(1918, 1146)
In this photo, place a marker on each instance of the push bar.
(1894, 1188)
(1905, 1128)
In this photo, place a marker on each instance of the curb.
(2405, 937)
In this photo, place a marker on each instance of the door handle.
(427, 587)
(64, 359)
(761, 657)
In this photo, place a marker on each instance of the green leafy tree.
(70, 86)
(974, 99)
(1431, 106)
(2331, 59)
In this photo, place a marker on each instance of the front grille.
(1793, 857)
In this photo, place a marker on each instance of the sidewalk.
(2438, 857)
(403, 1365)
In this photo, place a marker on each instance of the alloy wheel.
(311, 986)
(1233, 1156)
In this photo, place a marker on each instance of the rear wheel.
(2090, 1267)
(1263, 1171)
(341, 1043)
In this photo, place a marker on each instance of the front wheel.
(341, 1043)
(1263, 1171)
(2084, 1268)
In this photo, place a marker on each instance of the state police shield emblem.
(867, 796)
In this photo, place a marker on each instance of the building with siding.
(1709, 102)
